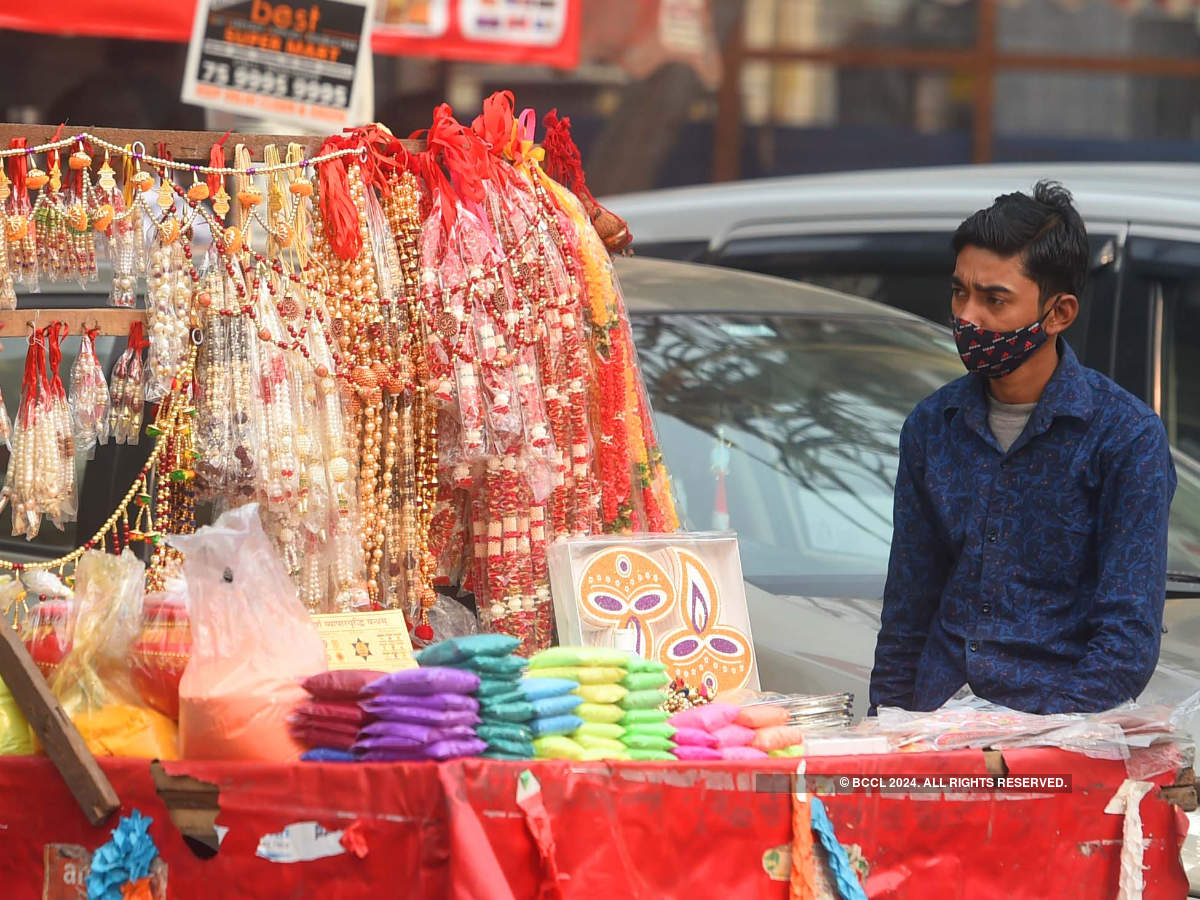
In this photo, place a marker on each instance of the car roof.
(1152, 193)
(655, 285)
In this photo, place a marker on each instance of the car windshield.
(785, 428)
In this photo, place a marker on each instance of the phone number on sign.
(278, 84)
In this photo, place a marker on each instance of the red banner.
(475, 829)
(531, 32)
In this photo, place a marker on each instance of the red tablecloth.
(622, 830)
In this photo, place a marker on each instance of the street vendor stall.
(398, 594)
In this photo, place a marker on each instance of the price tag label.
(299, 62)
(370, 640)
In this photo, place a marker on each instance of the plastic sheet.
(94, 681)
(252, 643)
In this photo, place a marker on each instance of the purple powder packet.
(457, 702)
(425, 680)
(414, 735)
(450, 749)
(437, 718)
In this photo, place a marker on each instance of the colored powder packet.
(787, 752)
(491, 665)
(327, 754)
(393, 709)
(691, 753)
(510, 711)
(602, 729)
(555, 706)
(644, 717)
(710, 717)
(555, 725)
(579, 656)
(658, 729)
(651, 755)
(504, 757)
(343, 684)
(457, 649)
(588, 742)
(643, 700)
(641, 664)
(426, 680)
(518, 749)
(732, 735)
(645, 681)
(742, 753)
(499, 687)
(762, 716)
(597, 754)
(504, 731)
(556, 746)
(602, 693)
(581, 674)
(599, 712)
(636, 741)
(541, 688)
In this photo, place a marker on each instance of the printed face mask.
(994, 354)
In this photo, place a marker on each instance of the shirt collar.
(1068, 393)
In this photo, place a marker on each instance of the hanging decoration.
(418, 364)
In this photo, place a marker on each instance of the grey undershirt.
(1007, 420)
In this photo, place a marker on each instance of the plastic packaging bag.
(160, 652)
(16, 738)
(252, 642)
(94, 683)
(88, 398)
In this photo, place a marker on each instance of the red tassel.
(337, 207)
(18, 167)
(564, 165)
(464, 153)
(35, 365)
(494, 126)
(216, 159)
(54, 332)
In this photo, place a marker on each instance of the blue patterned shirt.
(1036, 576)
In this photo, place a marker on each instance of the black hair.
(1045, 230)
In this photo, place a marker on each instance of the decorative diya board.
(680, 596)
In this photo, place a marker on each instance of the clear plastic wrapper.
(94, 682)
(450, 619)
(89, 398)
(252, 644)
(19, 228)
(168, 302)
(8, 293)
(160, 652)
(128, 390)
(127, 253)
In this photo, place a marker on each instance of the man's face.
(993, 291)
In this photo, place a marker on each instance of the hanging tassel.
(337, 208)
(564, 165)
(216, 160)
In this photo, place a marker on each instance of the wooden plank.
(112, 322)
(1183, 796)
(185, 146)
(64, 745)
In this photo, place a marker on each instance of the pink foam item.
(761, 716)
(709, 717)
(693, 737)
(734, 736)
(742, 753)
(690, 753)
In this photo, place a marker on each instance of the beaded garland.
(423, 380)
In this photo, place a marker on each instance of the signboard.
(302, 62)
(531, 32)
(367, 640)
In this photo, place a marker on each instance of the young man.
(1030, 547)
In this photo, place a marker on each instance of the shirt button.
(992, 536)
(987, 608)
(973, 646)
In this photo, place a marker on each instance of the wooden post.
(984, 131)
(63, 742)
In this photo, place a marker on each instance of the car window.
(908, 270)
(785, 428)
